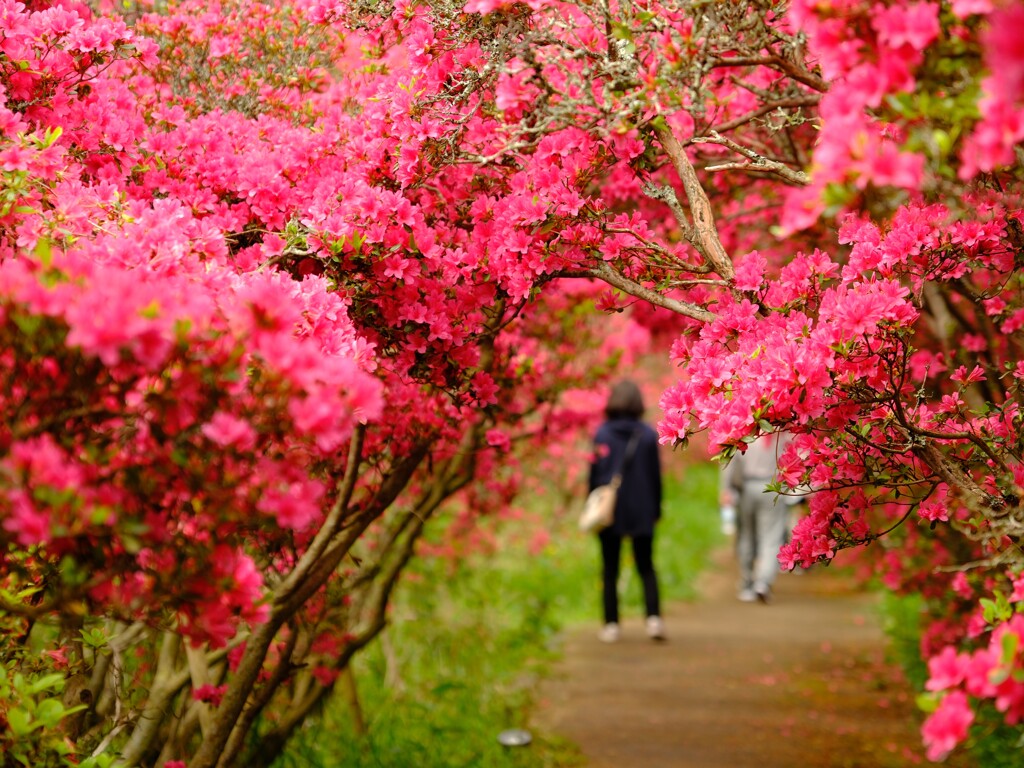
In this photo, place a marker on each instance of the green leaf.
(1010, 642)
(100, 514)
(725, 456)
(988, 608)
(837, 194)
(53, 682)
(999, 675)
(94, 638)
(901, 103)
(27, 324)
(100, 761)
(928, 702)
(44, 252)
(151, 311)
(19, 721)
(49, 713)
(51, 135)
(621, 31)
(659, 123)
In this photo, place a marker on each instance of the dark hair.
(625, 401)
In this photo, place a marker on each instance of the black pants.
(611, 549)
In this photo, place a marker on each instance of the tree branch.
(757, 162)
(704, 235)
(331, 525)
(259, 700)
(809, 100)
(605, 273)
(774, 62)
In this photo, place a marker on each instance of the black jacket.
(638, 506)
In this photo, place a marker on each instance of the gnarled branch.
(703, 235)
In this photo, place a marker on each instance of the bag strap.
(634, 441)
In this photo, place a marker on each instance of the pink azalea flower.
(210, 694)
(29, 525)
(947, 726)
(225, 429)
(1018, 588)
(933, 511)
(750, 271)
(945, 670)
(1004, 51)
(485, 6)
(294, 505)
(325, 675)
(913, 24)
(965, 8)
(498, 438)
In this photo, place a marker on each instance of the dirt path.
(801, 682)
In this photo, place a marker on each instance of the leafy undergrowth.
(467, 643)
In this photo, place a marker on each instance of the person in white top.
(761, 516)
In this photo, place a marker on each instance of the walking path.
(801, 682)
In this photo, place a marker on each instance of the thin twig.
(757, 162)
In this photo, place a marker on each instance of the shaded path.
(801, 682)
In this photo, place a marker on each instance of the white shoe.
(609, 633)
(655, 628)
(747, 595)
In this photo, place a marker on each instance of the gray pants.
(760, 532)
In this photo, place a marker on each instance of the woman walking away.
(626, 444)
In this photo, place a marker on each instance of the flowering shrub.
(239, 352)
(893, 360)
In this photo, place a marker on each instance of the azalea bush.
(232, 402)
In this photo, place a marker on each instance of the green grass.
(468, 643)
(901, 620)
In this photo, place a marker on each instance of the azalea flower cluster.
(986, 673)
(164, 389)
